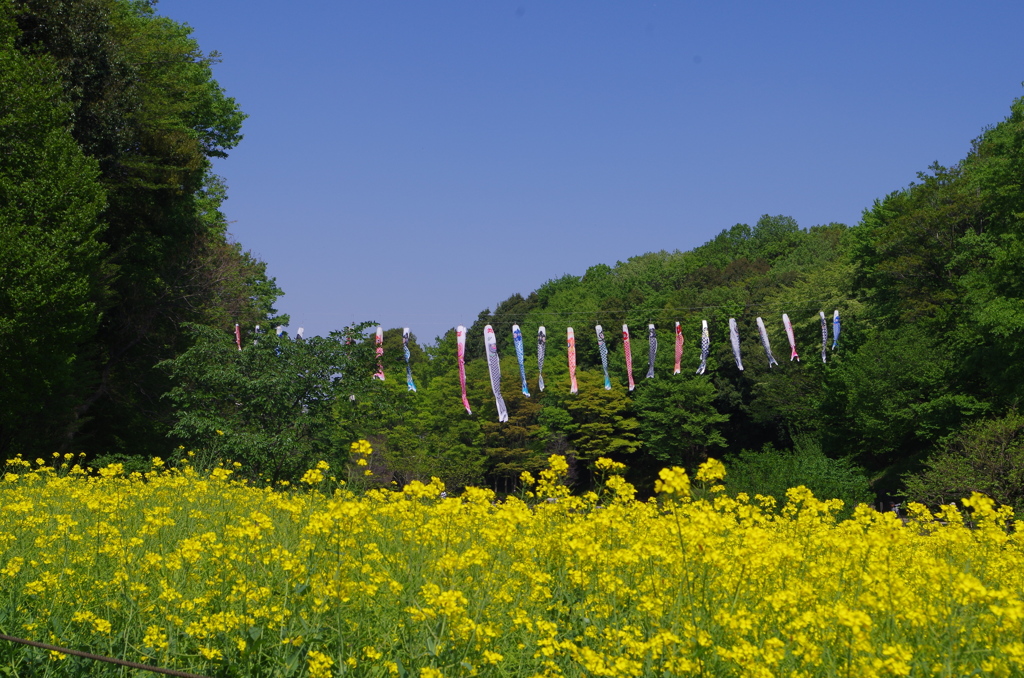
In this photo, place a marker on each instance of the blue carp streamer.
(652, 342)
(494, 366)
(835, 330)
(603, 349)
(408, 366)
(705, 346)
(542, 340)
(766, 344)
(517, 339)
(734, 338)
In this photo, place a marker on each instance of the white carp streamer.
(680, 339)
(792, 339)
(765, 343)
(705, 347)
(542, 341)
(517, 339)
(734, 338)
(603, 349)
(835, 330)
(408, 366)
(824, 336)
(460, 343)
(652, 342)
(571, 341)
(629, 356)
(494, 367)
(379, 340)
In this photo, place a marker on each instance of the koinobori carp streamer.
(765, 343)
(494, 367)
(652, 351)
(542, 340)
(408, 356)
(571, 344)
(460, 344)
(835, 330)
(705, 347)
(379, 341)
(734, 339)
(517, 339)
(824, 336)
(603, 350)
(629, 357)
(680, 339)
(792, 339)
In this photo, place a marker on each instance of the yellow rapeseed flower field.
(205, 573)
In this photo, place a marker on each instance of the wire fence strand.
(101, 658)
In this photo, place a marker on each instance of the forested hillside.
(120, 289)
(925, 379)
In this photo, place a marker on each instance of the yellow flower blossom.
(605, 464)
(319, 664)
(211, 653)
(361, 447)
(673, 481)
(710, 471)
(313, 476)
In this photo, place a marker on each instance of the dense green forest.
(120, 288)
(111, 235)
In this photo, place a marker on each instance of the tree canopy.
(113, 234)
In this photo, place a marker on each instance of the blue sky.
(413, 163)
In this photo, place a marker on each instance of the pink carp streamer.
(542, 340)
(680, 340)
(792, 339)
(652, 343)
(380, 353)
(705, 347)
(494, 367)
(734, 338)
(629, 356)
(571, 340)
(238, 336)
(460, 343)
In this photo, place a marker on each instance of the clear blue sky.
(413, 163)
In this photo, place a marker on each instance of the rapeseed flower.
(212, 575)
